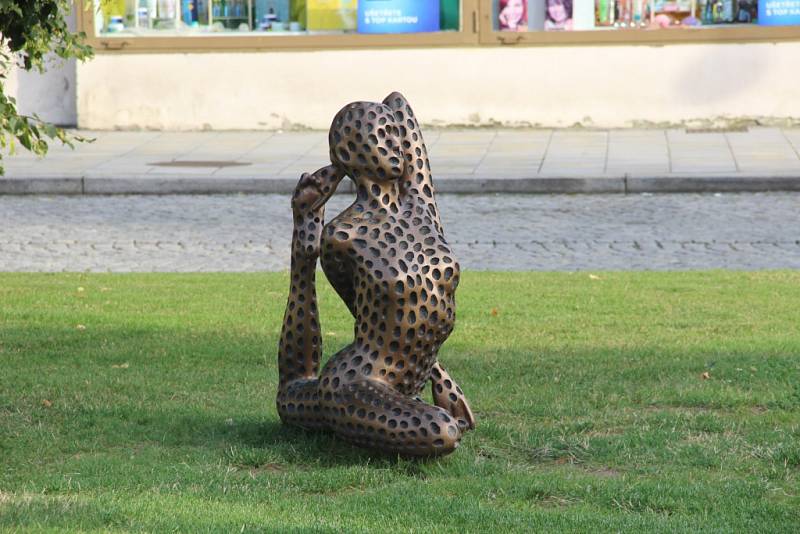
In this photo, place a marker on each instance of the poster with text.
(779, 12)
(398, 16)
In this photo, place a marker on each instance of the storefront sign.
(398, 16)
(779, 12)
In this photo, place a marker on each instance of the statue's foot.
(448, 395)
(298, 404)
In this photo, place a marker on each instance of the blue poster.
(398, 16)
(779, 12)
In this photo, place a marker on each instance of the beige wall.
(605, 86)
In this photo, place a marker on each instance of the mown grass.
(145, 403)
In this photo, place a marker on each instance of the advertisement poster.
(398, 16)
(779, 12)
(558, 15)
(331, 14)
(512, 15)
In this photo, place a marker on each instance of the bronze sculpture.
(387, 258)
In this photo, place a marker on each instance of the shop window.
(609, 15)
(144, 18)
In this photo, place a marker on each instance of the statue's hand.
(447, 395)
(306, 196)
(308, 207)
(307, 217)
(314, 190)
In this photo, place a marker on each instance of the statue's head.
(365, 142)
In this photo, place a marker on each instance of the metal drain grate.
(200, 164)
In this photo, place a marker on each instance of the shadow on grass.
(256, 444)
(205, 394)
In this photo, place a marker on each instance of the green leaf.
(32, 29)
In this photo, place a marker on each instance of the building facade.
(291, 64)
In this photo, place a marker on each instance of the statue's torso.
(402, 279)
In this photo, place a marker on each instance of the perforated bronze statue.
(387, 258)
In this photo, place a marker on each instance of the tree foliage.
(30, 30)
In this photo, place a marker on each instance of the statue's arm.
(300, 345)
(448, 395)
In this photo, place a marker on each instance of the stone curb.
(712, 184)
(41, 186)
(202, 185)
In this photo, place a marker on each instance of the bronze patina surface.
(387, 258)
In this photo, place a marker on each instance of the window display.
(566, 15)
(277, 23)
(274, 17)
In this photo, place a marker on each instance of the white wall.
(51, 94)
(605, 86)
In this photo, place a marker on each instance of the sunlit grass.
(146, 402)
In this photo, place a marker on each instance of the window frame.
(466, 36)
(477, 29)
(731, 34)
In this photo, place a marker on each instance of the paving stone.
(496, 232)
(496, 160)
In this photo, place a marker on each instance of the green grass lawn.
(146, 403)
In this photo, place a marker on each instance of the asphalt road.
(495, 232)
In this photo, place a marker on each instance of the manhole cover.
(188, 163)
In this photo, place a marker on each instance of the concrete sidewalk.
(463, 161)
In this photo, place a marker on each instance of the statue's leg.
(371, 414)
